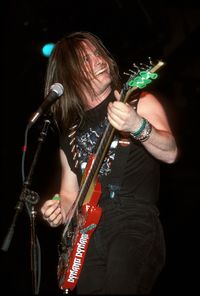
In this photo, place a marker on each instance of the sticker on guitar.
(85, 212)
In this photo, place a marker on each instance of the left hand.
(122, 116)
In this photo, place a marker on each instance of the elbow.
(172, 156)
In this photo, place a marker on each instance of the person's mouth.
(99, 72)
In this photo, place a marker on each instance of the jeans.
(126, 252)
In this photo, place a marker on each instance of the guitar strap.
(118, 166)
(116, 176)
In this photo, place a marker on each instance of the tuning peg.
(143, 66)
(135, 65)
(125, 73)
(133, 72)
(150, 61)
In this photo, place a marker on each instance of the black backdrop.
(132, 30)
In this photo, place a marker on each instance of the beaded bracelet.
(144, 136)
(144, 133)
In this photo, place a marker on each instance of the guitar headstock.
(140, 76)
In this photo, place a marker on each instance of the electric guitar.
(85, 212)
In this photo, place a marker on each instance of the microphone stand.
(30, 198)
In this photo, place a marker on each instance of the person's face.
(97, 69)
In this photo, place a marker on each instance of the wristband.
(140, 129)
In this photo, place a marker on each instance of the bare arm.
(161, 143)
(55, 211)
(69, 185)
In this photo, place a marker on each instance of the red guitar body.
(71, 262)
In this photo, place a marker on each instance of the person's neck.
(98, 98)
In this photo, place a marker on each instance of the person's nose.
(97, 60)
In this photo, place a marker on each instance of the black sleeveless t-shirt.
(140, 177)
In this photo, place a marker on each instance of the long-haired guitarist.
(113, 137)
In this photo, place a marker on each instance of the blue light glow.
(47, 49)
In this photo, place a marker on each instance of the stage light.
(47, 49)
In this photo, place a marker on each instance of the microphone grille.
(58, 88)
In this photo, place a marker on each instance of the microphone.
(56, 91)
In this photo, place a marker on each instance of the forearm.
(162, 145)
(66, 202)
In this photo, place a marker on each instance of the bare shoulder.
(149, 100)
(151, 107)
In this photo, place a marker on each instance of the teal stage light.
(47, 49)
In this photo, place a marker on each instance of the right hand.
(51, 212)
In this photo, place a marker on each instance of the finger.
(55, 214)
(117, 95)
(119, 109)
(116, 122)
(53, 224)
(113, 118)
(49, 207)
(52, 212)
(116, 114)
(54, 220)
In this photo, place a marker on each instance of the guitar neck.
(91, 176)
(97, 161)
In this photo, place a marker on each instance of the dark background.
(132, 31)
